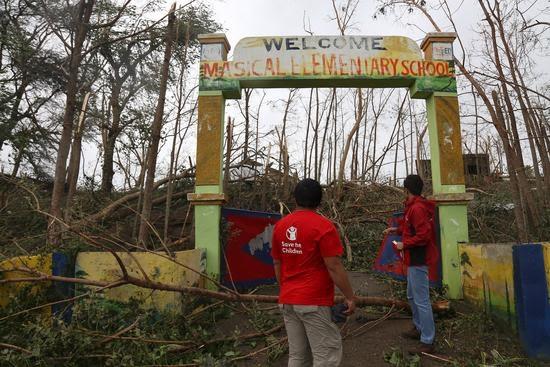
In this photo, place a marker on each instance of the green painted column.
(448, 185)
(207, 230)
(447, 168)
(208, 196)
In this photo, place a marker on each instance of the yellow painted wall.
(103, 266)
(488, 278)
(42, 263)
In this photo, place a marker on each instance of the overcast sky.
(245, 18)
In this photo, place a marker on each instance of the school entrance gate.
(333, 61)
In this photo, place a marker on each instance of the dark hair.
(414, 184)
(308, 193)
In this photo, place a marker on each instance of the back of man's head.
(308, 193)
(414, 184)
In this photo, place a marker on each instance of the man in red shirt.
(420, 251)
(306, 252)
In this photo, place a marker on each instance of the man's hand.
(340, 278)
(398, 245)
(389, 230)
(350, 303)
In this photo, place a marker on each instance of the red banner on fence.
(246, 247)
(389, 262)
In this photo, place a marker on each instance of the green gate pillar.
(208, 196)
(447, 167)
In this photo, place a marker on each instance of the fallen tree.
(126, 279)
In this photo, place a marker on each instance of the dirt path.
(367, 349)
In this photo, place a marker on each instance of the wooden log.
(439, 306)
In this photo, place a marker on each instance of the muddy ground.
(465, 337)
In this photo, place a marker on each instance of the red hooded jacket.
(418, 232)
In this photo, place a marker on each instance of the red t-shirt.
(300, 242)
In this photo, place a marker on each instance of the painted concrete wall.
(103, 266)
(10, 290)
(546, 253)
(532, 306)
(38, 263)
(488, 279)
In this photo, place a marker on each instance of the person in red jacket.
(306, 252)
(419, 252)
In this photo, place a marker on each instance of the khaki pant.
(313, 339)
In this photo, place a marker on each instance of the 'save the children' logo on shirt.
(291, 233)
(291, 247)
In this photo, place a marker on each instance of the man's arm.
(277, 267)
(340, 278)
(395, 230)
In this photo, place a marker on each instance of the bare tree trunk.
(364, 146)
(156, 127)
(17, 162)
(247, 94)
(316, 135)
(419, 145)
(265, 176)
(81, 25)
(173, 155)
(396, 148)
(375, 134)
(110, 134)
(306, 170)
(228, 148)
(141, 180)
(335, 140)
(325, 131)
(544, 150)
(288, 104)
(411, 136)
(516, 191)
(358, 118)
(74, 162)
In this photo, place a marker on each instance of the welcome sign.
(298, 61)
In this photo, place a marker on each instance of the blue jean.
(418, 294)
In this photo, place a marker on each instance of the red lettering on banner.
(343, 66)
(384, 65)
(210, 70)
(304, 67)
(394, 63)
(278, 67)
(314, 64)
(430, 68)
(254, 68)
(294, 66)
(226, 69)
(269, 66)
(405, 66)
(413, 63)
(355, 64)
(330, 65)
(373, 66)
(240, 69)
(440, 69)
